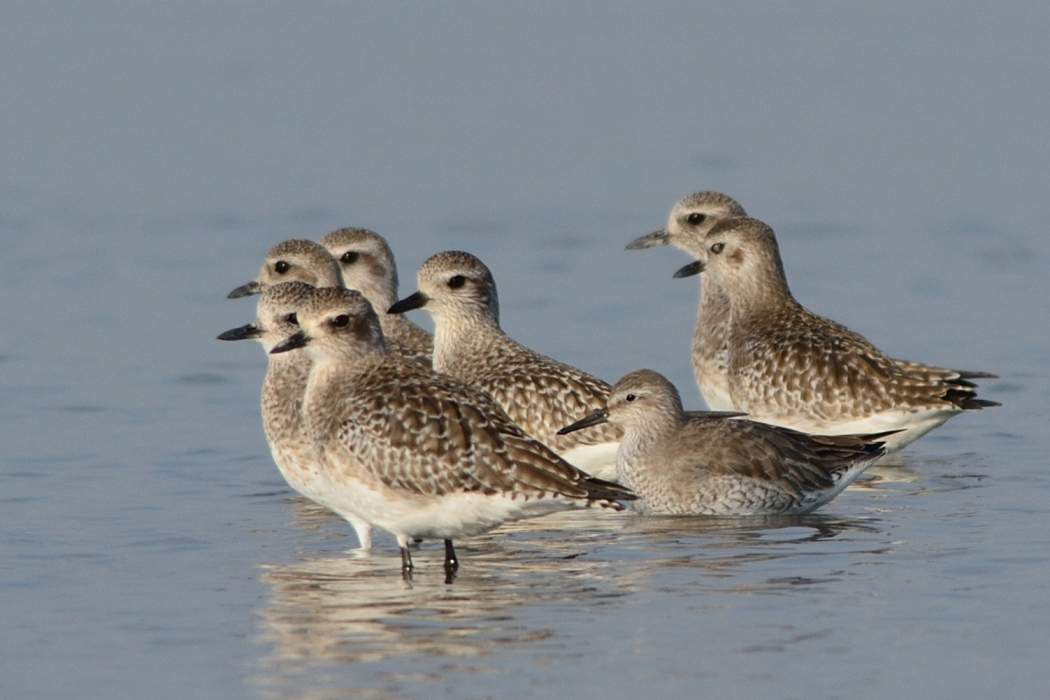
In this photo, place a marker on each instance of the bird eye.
(630, 397)
(457, 281)
(292, 319)
(281, 267)
(696, 218)
(350, 256)
(718, 248)
(340, 320)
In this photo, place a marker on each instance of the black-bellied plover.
(698, 464)
(305, 261)
(282, 395)
(295, 260)
(539, 394)
(790, 367)
(415, 452)
(367, 264)
(688, 225)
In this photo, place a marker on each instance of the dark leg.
(406, 564)
(451, 562)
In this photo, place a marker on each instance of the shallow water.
(154, 153)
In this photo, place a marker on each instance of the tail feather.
(607, 492)
(967, 399)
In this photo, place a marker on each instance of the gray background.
(152, 153)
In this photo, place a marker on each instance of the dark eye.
(350, 256)
(718, 248)
(340, 320)
(630, 397)
(292, 319)
(457, 281)
(696, 218)
(281, 267)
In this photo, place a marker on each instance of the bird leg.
(451, 562)
(406, 564)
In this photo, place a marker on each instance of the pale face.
(339, 323)
(731, 255)
(743, 255)
(693, 218)
(642, 397)
(297, 260)
(457, 285)
(312, 268)
(365, 261)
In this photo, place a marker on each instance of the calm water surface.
(148, 546)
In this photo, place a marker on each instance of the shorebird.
(688, 224)
(538, 393)
(296, 260)
(305, 261)
(690, 221)
(367, 264)
(697, 464)
(415, 452)
(790, 367)
(282, 395)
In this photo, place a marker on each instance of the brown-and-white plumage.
(367, 264)
(790, 367)
(295, 260)
(282, 395)
(690, 220)
(415, 452)
(302, 260)
(539, 393)
(697, 464)
(687, 227)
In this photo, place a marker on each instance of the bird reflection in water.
(356, 619)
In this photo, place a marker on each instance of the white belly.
(912, 424)
(597, 460)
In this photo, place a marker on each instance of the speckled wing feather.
(411, 340)
(411, 352)
(799, 363)
(943, 375)
(798, 462)
(539, 393)
(415, 430)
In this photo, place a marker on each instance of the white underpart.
(716, 399)
(452, 516)
(912, 424)
(597, 460)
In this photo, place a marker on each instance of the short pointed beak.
(600, 416)
(299, 340)
(414, 301)
(243, 333)
(693, 268)
(246, 290)
(649, 240)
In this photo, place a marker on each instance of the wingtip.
(967, 400)
(607, 493)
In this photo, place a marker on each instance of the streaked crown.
(693, 217)
(340, 322)
(690, 220)
(644, 397)
(300, 260)
(458, 284)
